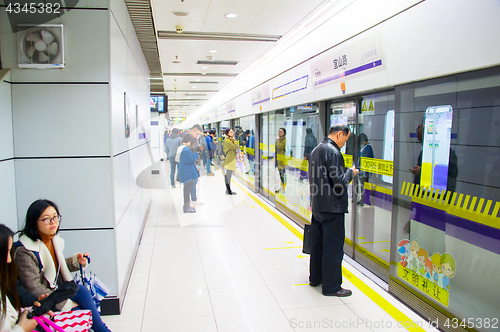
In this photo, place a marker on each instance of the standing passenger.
(229, 149)
(188, 172)
(280, 148)
(210, 150)
(250, 145)
(173, 143)
(329, 201)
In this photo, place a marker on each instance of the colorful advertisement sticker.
(428, 273)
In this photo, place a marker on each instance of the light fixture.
(213, 51)
(194, 87)
(180, 13)
(231, 15)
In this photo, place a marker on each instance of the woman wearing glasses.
(41, 264)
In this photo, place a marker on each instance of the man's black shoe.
(314, 284)
(341, 293)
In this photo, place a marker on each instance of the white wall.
(7, 174)
(67, 137)
(130, 75)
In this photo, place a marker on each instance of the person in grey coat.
(173, 142)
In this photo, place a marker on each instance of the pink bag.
(68, 321)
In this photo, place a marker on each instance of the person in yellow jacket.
(229, 148)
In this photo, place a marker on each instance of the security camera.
(178, 29)
(210, 58)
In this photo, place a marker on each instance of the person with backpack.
(188, 173)
(173, 143)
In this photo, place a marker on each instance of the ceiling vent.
(217, 62)
(202, 82)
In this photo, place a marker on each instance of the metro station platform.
(237, 265)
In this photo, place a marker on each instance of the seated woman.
(9, 301)
(41, 264)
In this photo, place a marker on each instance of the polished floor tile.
(242, 299)
(232, 266)
(266, 321)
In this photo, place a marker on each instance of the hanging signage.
(358, 58)
(260, 95)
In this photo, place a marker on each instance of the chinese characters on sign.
(340, 62)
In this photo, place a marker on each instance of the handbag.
(73, 321)
(98, 290)
(68, 321)
(306, 248)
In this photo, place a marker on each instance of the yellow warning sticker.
(364, 109)
(377, 166)
(371, 108)
(347, 160)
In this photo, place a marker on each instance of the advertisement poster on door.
(429, 273)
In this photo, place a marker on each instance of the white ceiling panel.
(263, 17)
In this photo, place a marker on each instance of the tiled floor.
(232, 266)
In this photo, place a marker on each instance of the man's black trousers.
(327, 252)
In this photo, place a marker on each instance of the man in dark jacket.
(329, 201)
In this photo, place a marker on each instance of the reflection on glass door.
(267, 156)
(373, 185)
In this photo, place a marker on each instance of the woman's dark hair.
(363, 138)
(188, 138)
(284, 131)
(227, 131)
(8, 273)
(34, 212)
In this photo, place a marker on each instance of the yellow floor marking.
(373, 242)
(289, 242)
(274, 214)
(300, 285)
(302, 256)
(281, 248)
(373, 295)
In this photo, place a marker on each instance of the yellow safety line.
(281, 248)
(274, 214)
(373, 242)
(373, 295)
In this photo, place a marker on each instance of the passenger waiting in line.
(210, 150)
(10, 303)
(202, 141)
(309, 144)
(366, 151)
(250, 145)
(281, 162)
(229, 150)
(188, 172)
(329, 202)
(173, 143)
(196, 131)
(41, 264)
